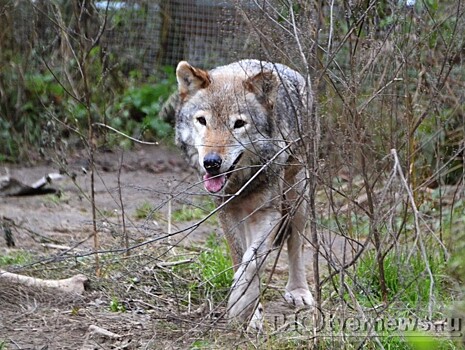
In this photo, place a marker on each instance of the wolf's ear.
(190, 79)
(265, 87)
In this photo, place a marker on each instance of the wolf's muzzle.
(212, 163)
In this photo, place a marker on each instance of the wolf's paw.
(299, 297)
(256, 322)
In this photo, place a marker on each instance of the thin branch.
(417, 231)
(125, 135)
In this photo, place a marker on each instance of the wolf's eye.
(239, 124)
(202, 120)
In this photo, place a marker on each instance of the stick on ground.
(74, 285)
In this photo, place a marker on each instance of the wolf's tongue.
(213, 183)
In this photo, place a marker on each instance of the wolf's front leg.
(245, 291)
(297, 291)
(243, 303)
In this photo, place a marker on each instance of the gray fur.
(272, 130)
(273, 104)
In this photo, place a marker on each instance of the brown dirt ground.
(42, 319)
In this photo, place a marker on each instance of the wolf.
(245, 128)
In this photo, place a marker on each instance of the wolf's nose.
(212, 163)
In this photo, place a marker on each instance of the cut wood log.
(73, 285)
(10, 187)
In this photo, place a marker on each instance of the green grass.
(422, 341)
(56, 199)
(188, 213)
(116, 305)
(143, 210)
(194, 212)
(211, 274)
(408, 286)
(408, 341)
(200, 344)
(106, 213)
(215, 266)
(147, 210)
(19, 257)
(406, 278)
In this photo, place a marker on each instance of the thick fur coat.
(244, 127)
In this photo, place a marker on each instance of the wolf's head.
(224, 122)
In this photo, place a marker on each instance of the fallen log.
(74, 285)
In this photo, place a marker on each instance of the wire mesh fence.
(386, 197)
(142, 34)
